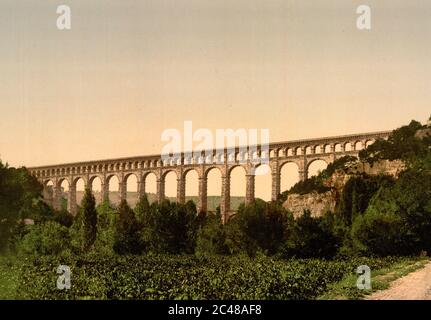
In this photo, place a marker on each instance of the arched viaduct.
(301, 152)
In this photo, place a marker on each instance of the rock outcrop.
(320, 203)
(317, 203)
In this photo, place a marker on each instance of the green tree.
(311, 238)
(20, 192)
(48, 238)
(211, 236)
(89, 219)
(127, 232)
(258, 226)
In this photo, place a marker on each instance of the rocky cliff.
(319, 203)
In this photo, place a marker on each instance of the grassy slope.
(380, 280)
(9, 275)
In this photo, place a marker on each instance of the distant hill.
(132, 199)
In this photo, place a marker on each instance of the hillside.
(132, 199)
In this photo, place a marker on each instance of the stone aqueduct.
(301, 152)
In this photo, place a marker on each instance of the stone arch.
(289, 174)
(47, 181)
(113, 187)
(149, 179)
(358, 145)
(369, 142)
(208, 169)
(316, 165)
(237, 185)
(95, 182)
(191, 182)
(170, 180)
(130, 184)
(213, 175)
(348, 146)
(263, 181)
(76, 181)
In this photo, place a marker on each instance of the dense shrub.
(211, 237)
(357, 193)
(89, 219)
(19, 195)
(127, 232)
(402, 144)
(311, 238)
(47, 238)
(186, 277)
(169, 227)
(258, 226)
(398, 219)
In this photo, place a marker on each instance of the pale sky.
(127, 70)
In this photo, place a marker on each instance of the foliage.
(311, 237)
(19, 192)
(186, 277)
(398, 219)
(89, 219)
(402, 144)
(48, 238)
(357, 193)
(258, 226)
(211, 237)
(127, 235)
(168, 227)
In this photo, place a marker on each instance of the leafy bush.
(89, 219)
(127, 232)
(311, 238)
(402, 144)
(47, 238)
(211, 237)
(398, 219)
(357, 193)
(169, 227)
(259, 226)
(186, 277)
(19, 195)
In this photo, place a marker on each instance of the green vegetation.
(185, 277)
(381, 277)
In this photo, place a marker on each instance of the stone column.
(71, 201)
(332, 146)
(48, 195)
(303, 172)
(275, 180)
(160, 190)
(181, 190)
(122, 189)
(105, 191)
(141, 187)
(202, 202)
(225, 198)
(249, 194)
(56, 203)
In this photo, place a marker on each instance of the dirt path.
(414, 286)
